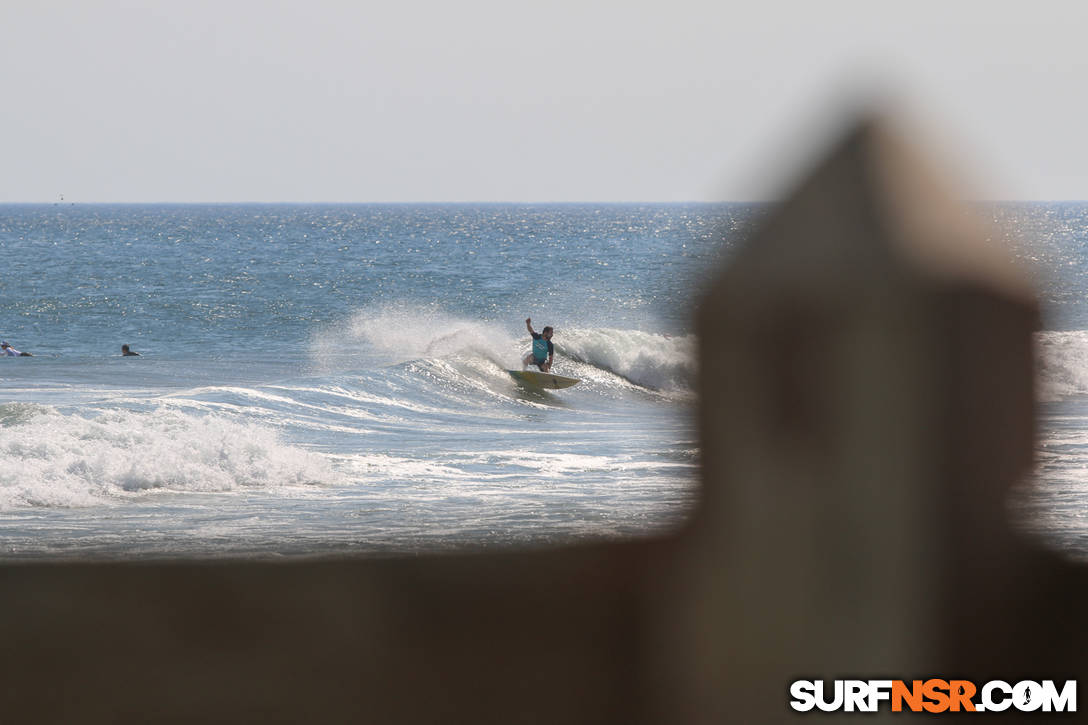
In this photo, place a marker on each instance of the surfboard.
(543, 380)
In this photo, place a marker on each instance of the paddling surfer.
(7, 350)
(543, 351)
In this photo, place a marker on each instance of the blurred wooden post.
(866, 404)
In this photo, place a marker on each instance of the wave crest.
(658, 362)
(402, 332)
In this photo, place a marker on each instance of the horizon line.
(469, 203)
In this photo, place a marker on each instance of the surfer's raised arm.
(529, 325)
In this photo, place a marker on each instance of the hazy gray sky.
(467, 100)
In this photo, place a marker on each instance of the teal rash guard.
(541, 348)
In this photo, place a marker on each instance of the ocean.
(319, 380)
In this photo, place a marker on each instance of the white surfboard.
(543, 380)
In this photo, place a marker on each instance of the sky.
(473, 100)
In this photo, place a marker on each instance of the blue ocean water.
(317, 379)
(1052, 240)
(323, 379)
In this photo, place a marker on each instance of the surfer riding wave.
(543, 352)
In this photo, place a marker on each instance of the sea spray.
(658, 362)
(400, 332)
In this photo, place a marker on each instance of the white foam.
(658, 362)
(1061, 364)
(402, 468)
(53, 459)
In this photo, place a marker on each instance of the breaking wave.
(52, 459)
(1061, 364)
(404, 332)
(649, 360)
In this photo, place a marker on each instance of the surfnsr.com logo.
(933, 696)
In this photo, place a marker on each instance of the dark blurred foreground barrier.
(871, 406)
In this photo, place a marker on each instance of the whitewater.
(435, 450)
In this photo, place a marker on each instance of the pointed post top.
(872, 211)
